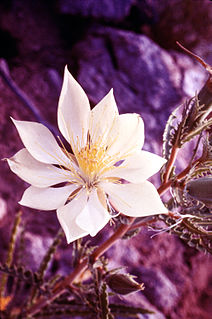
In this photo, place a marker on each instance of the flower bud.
(201, 190)
(123, 284)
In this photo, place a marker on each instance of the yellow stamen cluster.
(92, 159)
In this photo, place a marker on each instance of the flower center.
(91, 160)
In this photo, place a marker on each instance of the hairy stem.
(108, 243)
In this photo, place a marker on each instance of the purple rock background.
(128, 45)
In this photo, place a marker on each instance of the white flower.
(107, 169)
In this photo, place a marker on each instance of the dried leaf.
(131, 233)
(4, 301)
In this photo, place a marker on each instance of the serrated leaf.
(60, 313)
(129, 310)
(196, 131)
(50, 253)
(181, 129)
(194, 231)
(131, 233)
(170, 133)
(22, 273)
(104, 303)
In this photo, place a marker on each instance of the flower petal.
(34, 172)
(46, 198)
(73, 111)
(126, 136)
(135, 199)
(67, 216)
(94, 216)
(102, 118)
(137, 168)
(41, 143)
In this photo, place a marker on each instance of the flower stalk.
(170, 163)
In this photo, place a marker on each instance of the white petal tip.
(165, 211)
(21, 203)
(67, 73)
(93, 234)
(163, 160)
(16, 122)
(70, 239)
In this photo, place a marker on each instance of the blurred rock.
(159, 289)
(132, 64)
(112, 10)
(185, 21)
(164, 21)
(35, 249)
(173, 275)
(146, 79)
